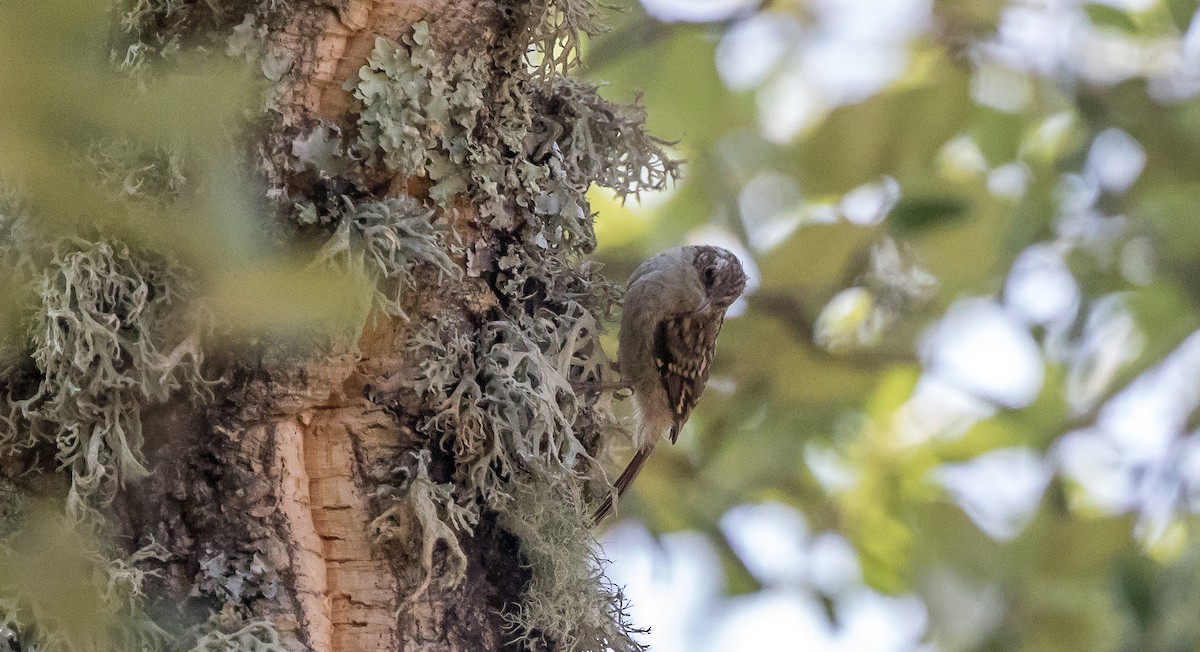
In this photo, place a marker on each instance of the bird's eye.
(710, 273)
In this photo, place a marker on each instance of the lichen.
(108, 337)
(568, 604)
(522, 144)
(426, 511)
(127, 170)
(504, 402)
(555, 27)
(61, 590)
(417, 112)
(231, 634)
(543, 145)
(387, 242)
(236, 578)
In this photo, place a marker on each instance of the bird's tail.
(627, 477)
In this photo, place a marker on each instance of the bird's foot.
(598, 387)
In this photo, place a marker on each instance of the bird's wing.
(683, 353)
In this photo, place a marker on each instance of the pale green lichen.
(523, 147)
(126, 170)
(61, 591)
(426, 511)
(568, 604)
(504, 402)
(555, 31)
(236, 578)
(542, 146)
(524, 442)
(387, 242)
(418, 113)
(251, 636)
(108, 337)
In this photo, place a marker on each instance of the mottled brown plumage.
(674, 308)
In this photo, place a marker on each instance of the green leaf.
(915, 214)
(1106, 16)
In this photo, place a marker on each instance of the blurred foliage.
(151, 165)
(1012, 132)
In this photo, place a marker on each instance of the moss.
(426, 511)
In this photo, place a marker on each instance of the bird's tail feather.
(626, 478)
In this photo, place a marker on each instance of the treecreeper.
(674, 307)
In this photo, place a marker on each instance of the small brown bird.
(674, 307)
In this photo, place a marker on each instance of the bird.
(674, 307)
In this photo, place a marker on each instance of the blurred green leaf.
(916, 213)
(1111, 17)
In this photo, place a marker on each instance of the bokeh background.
(958, 409)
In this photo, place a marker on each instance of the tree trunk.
(429, 488)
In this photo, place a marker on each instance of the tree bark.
(272, 502)
(428, 487)
(283, 471)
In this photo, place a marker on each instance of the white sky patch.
(1037, 38)
(846, 71)
(1115, 160)
(770, 540)
(1137, 456)
(962, 158)
(1130, 6)
(1040, 288)
(937, 410)
(789, 105)
(696, 11)
(1145, 419)
(981, 348)
(676, 589)
(1138, 261)
(672, 587)
(851, 50)
(871, 621)
(833, 565)
(1095, 465)
(1111, 339)
(751, 49)
(771, 208)
(1009, 181)
(773, 621)
(847, 320)
(786, 621)
(964, 613)
(999, 490)
(829, 469)
(1183, 82)
(1000, 87)
(869, 203)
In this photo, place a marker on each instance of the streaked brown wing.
(683, 353)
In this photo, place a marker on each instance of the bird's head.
(721, 276)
